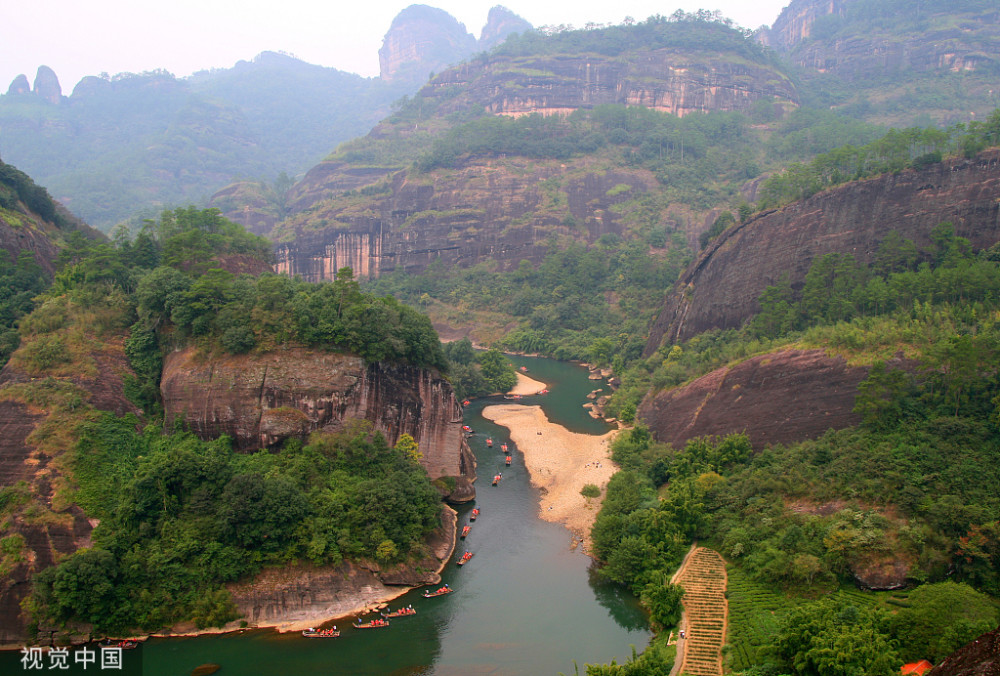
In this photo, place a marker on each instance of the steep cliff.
(777, 398)
(262, 400)
(794, 24)
(669, 79)
(720, 289)
(502, 210)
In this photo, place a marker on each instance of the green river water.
(525, 605)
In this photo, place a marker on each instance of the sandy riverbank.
(560, 463)
(526, 385)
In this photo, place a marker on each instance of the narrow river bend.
(525, 605)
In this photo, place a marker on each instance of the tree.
(408, 447)
(497, 372)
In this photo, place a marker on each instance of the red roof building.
(917, 668)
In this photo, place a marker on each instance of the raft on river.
(465, 531)
(440, 592)
(465, 558)
(372, 624)
(321, 633)
(402, 612)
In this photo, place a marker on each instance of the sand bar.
(526, 385)
(560, 463)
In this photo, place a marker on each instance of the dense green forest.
(695, 31)
(22, 279)
(915, 482)
(180, 517)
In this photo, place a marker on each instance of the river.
(525, 605)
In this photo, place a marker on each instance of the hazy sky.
(85, 37)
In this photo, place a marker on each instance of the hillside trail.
(705, 615)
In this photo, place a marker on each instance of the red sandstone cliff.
(720, 289)
(498, 210)
(777, 398)
(261, 400)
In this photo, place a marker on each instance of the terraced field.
(705, 609)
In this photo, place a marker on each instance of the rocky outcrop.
(261, 400)
(293, 596)
(47, 85)
(777, 398)
(422, 40)
(980, 657)
(19, 85)
(855, 48)
(795, 22)
(720, 289)
(91, 86)
(500, 210)
(501, 23)
(672, 80)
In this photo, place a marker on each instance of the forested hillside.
(180, 516)
(122, 147)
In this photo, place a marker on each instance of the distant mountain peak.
(500, 24)
(421, 40)
(47, 85)
(19, 85)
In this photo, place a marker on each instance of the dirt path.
(703, 576)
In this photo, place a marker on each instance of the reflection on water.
(618, 601)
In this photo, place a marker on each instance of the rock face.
(978, 658)
(720, 289)
(502, 211)
(422, 40)
(47, 85)
(947, 39)
(778, 398)
(307, 595)
(262, 400)
(672, 80)
(795, 22)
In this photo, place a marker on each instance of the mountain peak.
(19, 85)
(47, 85)
(500, 24)
(422, 40)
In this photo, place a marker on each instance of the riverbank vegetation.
(180, 517)
(912, 487)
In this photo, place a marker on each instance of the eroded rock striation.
(502, 211)
(720, 289)
(777, 398)
(261, 400)
(676, 81)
